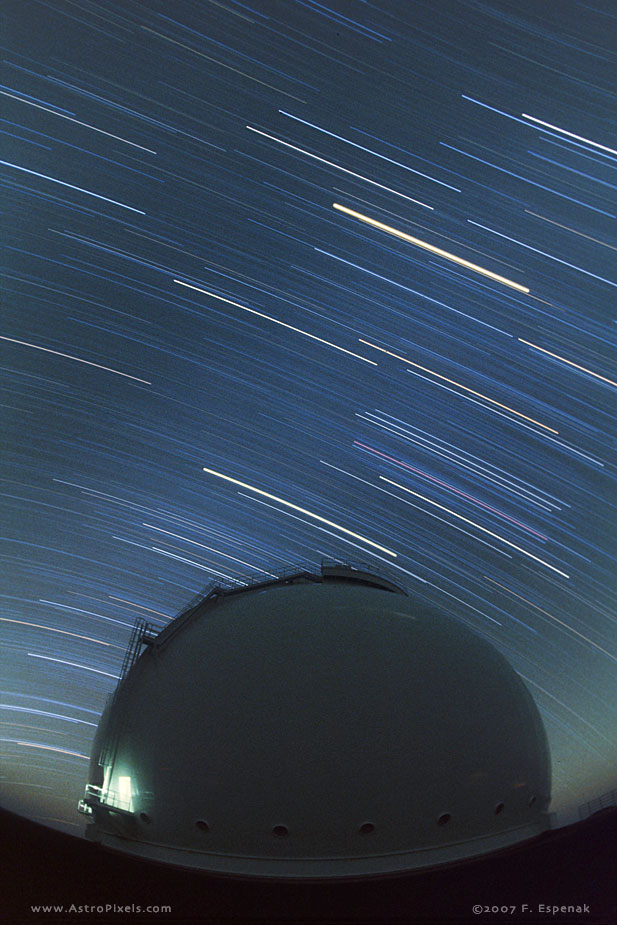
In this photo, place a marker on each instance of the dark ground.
(573, 866)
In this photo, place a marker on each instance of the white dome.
(317, 727)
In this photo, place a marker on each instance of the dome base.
(324, 868)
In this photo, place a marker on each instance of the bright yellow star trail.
(302, 510)
(430, 247)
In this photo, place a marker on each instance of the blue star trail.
(293, 281)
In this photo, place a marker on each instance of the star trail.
(287, 281)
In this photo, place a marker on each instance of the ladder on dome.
(143, 634)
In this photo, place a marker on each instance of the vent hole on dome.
(532, 801)
(499, 808)
(280, 831)
(444, 819)
(144, 817)
(202, 825)
(366, 828)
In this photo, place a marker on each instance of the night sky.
(300, 280)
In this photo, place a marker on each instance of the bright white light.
(125, 794)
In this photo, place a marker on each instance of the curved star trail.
(286, 282)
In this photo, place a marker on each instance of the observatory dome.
(316, 726)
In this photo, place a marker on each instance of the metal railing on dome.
(604, 801)
(379, 571)
(277, 574)
(328, 570)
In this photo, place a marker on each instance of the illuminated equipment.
(316, 725)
